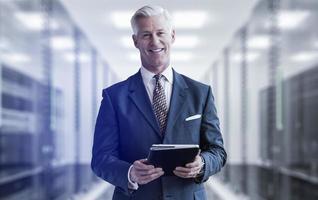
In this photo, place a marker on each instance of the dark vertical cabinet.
(310, 122)
(21, 128)
(23, 143)
(291, 153)
(301, 128)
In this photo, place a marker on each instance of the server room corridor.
(260, 58)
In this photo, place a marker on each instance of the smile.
(156, 50)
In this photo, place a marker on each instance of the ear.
(173, 36)
(134, 37)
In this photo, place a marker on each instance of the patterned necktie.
(160, 104)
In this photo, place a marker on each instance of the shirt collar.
(148, 75)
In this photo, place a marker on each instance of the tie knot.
(158, 77)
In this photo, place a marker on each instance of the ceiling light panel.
(250, 57)
(15, 57)
(189, 19)
(83, 57)
(34, 20)
(186, 42)
(62, 43)
(259, 42)
(291, 19)
(121, 19)
(182, 56)
(305, 56)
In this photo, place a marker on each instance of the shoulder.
(197, 91)
(119, 88)
(193, 85)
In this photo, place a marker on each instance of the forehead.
(152, 23)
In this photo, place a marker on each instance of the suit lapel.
(138, 94)
(178, 99)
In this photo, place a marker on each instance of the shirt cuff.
(131, 185)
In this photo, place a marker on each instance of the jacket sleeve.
(211, 142)
(105, 155)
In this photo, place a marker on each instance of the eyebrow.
(145, 32)
(150, 31)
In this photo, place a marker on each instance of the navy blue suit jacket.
(126, 128)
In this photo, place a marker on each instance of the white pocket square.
(193, 117)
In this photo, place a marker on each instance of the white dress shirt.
(150, 83)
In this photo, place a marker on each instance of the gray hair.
(148, 11)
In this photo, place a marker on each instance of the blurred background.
(259, 56)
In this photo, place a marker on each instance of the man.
(156, 105)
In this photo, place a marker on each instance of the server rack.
(293, 154)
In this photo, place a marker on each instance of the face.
(154, 40)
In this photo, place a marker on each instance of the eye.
(161, 33)
(146, 35)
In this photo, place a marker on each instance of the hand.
(191, 170)
(143, 173)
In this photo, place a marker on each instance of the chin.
(158, 63)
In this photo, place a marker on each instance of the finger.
(139, 165)
(185, 175)
(155, 175)
(181, 174)
(197, 169)
(145, 174)
(195, 163)
(193, 170)
(183, 169)
(188, 172)
(149, 172)
(149, 178)
(142, 162)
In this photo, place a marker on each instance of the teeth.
(156, 50)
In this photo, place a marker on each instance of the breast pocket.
(193, 121)
(192, 130)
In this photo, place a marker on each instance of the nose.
(155, 39)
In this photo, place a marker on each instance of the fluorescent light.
(121, 19)
(291, 19)
(189, 19)
(186, 42)
(250, 57)
(127, 42)
(181, 56)
(305, 56)
(34, 20)
(83, 57)
(259, 42)
(15, 57)
(62, 42)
